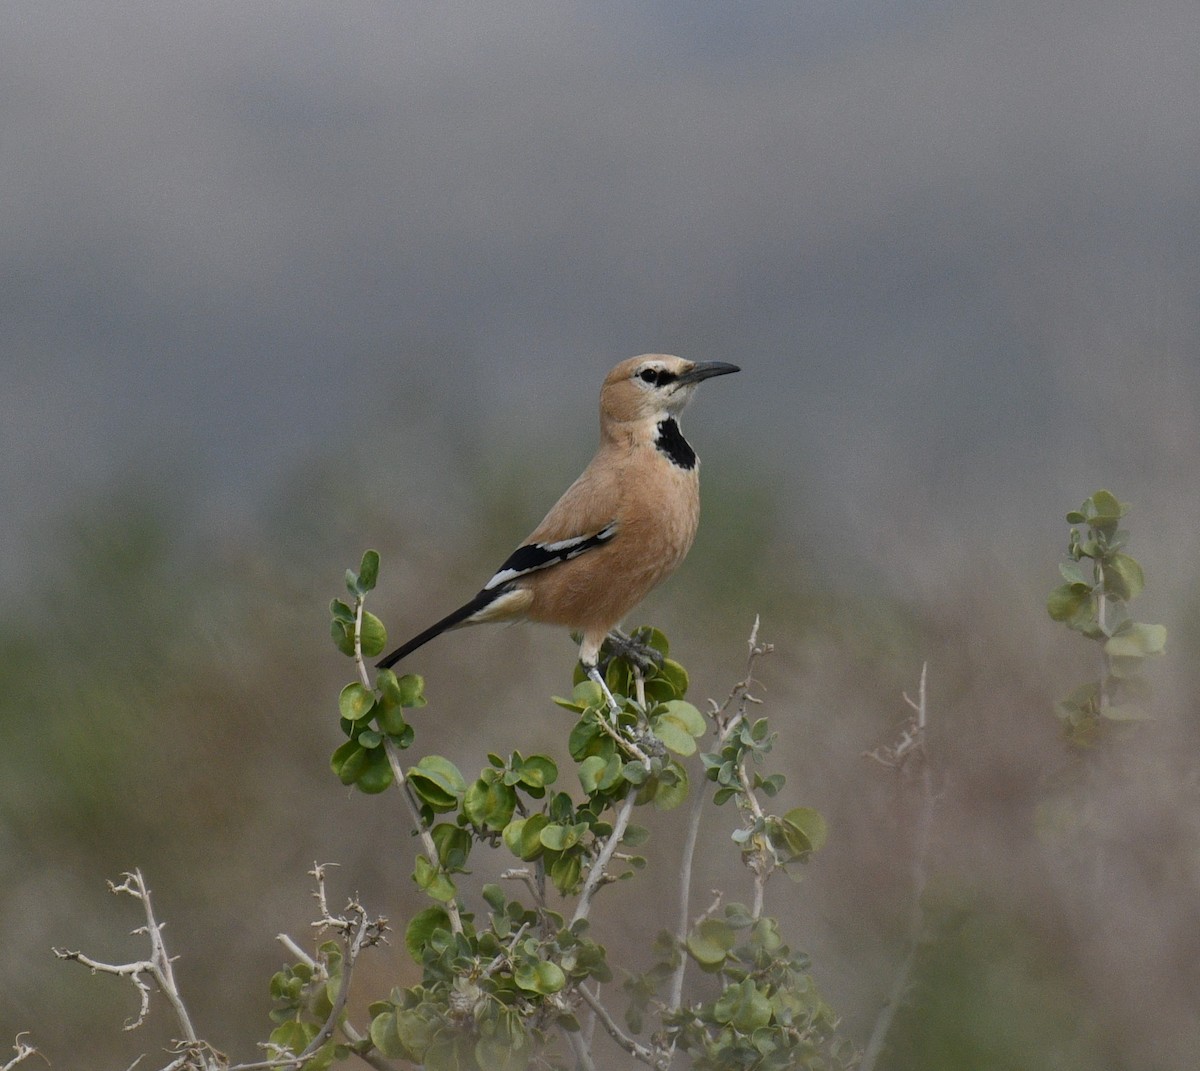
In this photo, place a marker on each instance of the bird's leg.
(641, 655)
(594, 674)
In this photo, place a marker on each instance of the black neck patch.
(672, 443)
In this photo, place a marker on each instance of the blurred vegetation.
(169, 703)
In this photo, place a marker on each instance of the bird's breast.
(656, 506)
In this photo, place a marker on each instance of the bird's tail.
(461, 616)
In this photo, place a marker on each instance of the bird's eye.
(649, 375)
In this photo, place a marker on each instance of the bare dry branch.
(23, 1051)
(909, 748)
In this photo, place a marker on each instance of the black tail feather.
(448, 622)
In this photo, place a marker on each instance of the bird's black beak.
(706, 370)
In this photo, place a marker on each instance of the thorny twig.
(726, 718)
(909, 748)
(23, 1051)
(193, 1052)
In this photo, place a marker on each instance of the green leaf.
(433, 881)
(355, 702)
(688, 717)
(374, 635)
(341, 612)
(771, 785)
(437, 782)
(743, 1007)
(490, 804)
(343, 636)
(558, 838)
(635, 836)
(376, 775)
(811, 823)
(1124, 576)
(538, 771)
(1107, 508)
(1067, 600)
(522, 836)
(422, 927)
(368, 571)
(540, 976)
(710, 942)
(672, 788)
(415, 1034)
(411, 688)
(386, 1038)
(565, 872)
(453, 845)
(1138, 641)
(348, 762)
(390, 719)
(673, 735)
(590, 771)
(293, 1035)
(676, 676)
(1072, 573)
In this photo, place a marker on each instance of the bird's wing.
(533, 557)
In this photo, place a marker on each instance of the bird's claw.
(635, 652)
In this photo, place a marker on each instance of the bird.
(619, 530)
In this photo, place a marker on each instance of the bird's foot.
(638, 654)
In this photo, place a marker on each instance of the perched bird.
(618, 530)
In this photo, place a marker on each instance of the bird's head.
(654, 386)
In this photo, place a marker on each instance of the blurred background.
(281, 282)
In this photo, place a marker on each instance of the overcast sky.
(955, 246)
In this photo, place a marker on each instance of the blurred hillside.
(170, 704)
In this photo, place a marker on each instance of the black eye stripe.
(660, 377)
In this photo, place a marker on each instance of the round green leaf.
(673, 735)
(422, 927)
(1067, 600)
(590, 771)
(689, 718)
(811, 823)
(355, 701)
(565, 872)
(348, 762)
(1125, 577)
(743, 1007)
(710, 942)
(538, 771)
(1138, 641)
(376, 775)
(437, 782)
(558, 838)
(368, 571)
(374, 635)
(489, 804)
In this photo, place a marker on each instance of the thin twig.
(740, 694)
(598, 872)
(581, 1049)
(910, 748)
(358, 932)
(22, 1050)
(393, 757)
(158, 967)
(635, 1049)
